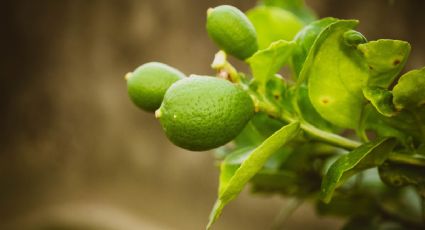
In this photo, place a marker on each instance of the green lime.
(200, 112)
(232, 31)
(148, 83)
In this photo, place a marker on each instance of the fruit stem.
(221, 65)
(128, 75)
(158, 114)
(209, 11)
(327, 137)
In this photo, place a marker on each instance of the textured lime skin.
(201, 113)
(232, 31)
(148, 83)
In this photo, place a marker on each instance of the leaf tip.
(326, 198)
(215, 213)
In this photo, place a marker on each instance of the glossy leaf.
(381, 99)
(336, 74)
(231, 163)
(366, 156)
(273, 24)
(267, 62)
(305, 40)
(410, 90)
(270, 177)
(385, 58)
(251, 166)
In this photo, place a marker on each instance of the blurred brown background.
(76, 154)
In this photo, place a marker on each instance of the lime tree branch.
(271, 109)
(406, 159)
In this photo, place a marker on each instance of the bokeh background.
(76, 154)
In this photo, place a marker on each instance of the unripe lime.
(232, 31)
(148, 83)
(200, 112)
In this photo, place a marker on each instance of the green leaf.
(267, 62)
(343, 205)
(309, 113)
(402, 125)
(266, 125)
(293, 170)
(297, 7)
(305, 40)
(273, 181)
(336, 73)
(364, 157)
(251, 166)
(269, 178)
(249, 136)
(273, 24)
(410, 90)
(381, 99)
(385, 58)
(399, 175)
(232, 162)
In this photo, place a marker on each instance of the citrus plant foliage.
(341, 128)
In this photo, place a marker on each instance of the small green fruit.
(200, 113)
(148, 83)
(354, 38)
(232, 31)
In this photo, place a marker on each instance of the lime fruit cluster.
(148, 83)
(201, 112)
(232, 31)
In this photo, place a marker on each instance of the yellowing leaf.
(336, 73)
(385, 58)
(410, 90)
